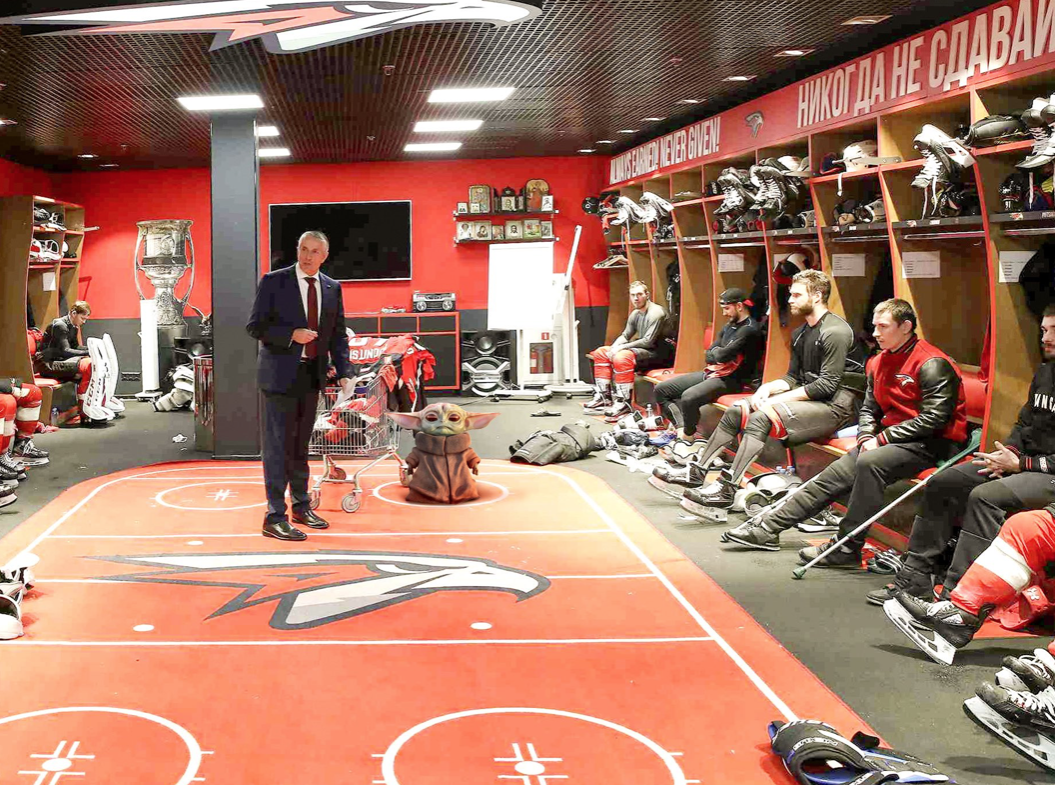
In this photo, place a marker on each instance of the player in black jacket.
(731, 362)
(1018, 475)
(820, 394)
(61, 356)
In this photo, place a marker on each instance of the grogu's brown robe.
(442, 469)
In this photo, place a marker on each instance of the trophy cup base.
(148, 395)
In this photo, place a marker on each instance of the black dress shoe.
(282, 530)
(309, 518)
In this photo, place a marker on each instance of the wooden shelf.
(739, 236)
(710, 199)
(809, 231)
(489, 242)
(858, 175)
(511, 216)
(1003, 149)
(914, 163)
(1013, 218)
(964, 221)
(691, 202)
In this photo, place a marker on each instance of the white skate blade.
(1036, 746)
(669, 488)
(938, 649)
(705, 513)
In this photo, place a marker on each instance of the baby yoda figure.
(442, 463)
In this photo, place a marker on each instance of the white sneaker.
(11, 611)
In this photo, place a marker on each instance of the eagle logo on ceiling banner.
(285, 26)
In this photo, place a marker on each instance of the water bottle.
(54, 415)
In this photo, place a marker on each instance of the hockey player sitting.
(914, 415)
(643, 345)
(819, 394)
(61, 356)
(731, 362)
(976, 498)
(20, 409)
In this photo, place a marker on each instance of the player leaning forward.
(913, 416)
(820, 394)
(643, 345)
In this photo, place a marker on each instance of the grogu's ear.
(478, 420)
(409, 420)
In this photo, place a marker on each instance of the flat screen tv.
(369, 241)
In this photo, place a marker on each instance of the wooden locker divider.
(697, 285)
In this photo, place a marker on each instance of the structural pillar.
(235, 275)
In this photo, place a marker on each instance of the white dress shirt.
(302, 280)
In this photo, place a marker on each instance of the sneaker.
(11, 610)
(826, 522)
(755, 536)
(909, 581)
(1036, 712)
(29, 453)
(952, 623)
(833, 557)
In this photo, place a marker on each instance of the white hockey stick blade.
(1036, 746)
(937, 648)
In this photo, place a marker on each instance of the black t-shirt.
(825, 357)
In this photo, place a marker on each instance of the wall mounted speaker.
(487, 361)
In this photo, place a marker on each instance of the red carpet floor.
(544, 634)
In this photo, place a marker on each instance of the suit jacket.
(277, 312)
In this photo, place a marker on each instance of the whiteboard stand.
(568, 326)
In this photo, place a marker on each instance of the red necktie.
(311, 350)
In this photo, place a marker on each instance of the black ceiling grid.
(583, 69)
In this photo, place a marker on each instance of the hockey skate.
(20, 570)
(1033, 672)
(1022, 720)
(938, 629)
(602, 399)
(1039, 120)
(944, 162)
(674, 481)
(28, 453)
(711, 502)
(11, 610)
(681, 451)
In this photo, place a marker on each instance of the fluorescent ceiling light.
(5, 121)
(109, 166)
(867, 20)
(273, 152)
(794, 53)
(651, 119)
(267, 130)
(87, 155)
(606, 141)
(628, 131)
(456, 95)
(738, 78)
(587, 150)
(221, 103)
(690, 101)
(432, 147)
(439, 126)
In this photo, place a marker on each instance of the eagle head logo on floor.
(314, 588)
(283, 25)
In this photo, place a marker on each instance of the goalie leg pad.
(1038, 747)
(95, 395)
(113, 376)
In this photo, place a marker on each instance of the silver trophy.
(168, 252)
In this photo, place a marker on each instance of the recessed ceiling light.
(794, 53)
(440, 126)
(267, 130)
(432, 147)
(867, 20)
(738, 78)
(606, 141)
(690, 101)
(5, 121)
(454, 95)
(273, 152)
(109, 166)
(650, 119)
(587, 150)
(628, 131)
(221, 103)
(87, 155)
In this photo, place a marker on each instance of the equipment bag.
(570, 443)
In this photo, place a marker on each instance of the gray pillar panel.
(235, 274)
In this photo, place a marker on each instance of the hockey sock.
(27, 412)
(996, 578)
(750, 448)
(720, 439)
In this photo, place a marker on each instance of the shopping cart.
(356, 428)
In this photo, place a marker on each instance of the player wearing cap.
(731, 363)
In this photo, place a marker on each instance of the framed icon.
(479, 198)
(463, 208)
(509, 204)
(514, 230)
(481, 230)
(547, 229)
(532, 229)
(498, 232)
(465, 230)
(535, 190)
(547, 203)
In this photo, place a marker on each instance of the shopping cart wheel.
(350, 503)
(315, 500)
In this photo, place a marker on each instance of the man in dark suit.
(298, 317)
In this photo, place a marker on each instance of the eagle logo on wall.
(754, 122)
(314, 588)
(284, 26)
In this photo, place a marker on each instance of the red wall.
(115, 201)
(16, 180)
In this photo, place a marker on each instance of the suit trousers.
(681, 398)
(961, 497)
(286, 431)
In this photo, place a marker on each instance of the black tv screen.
(369, 241)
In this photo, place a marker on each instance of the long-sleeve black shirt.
(738, 339)
(60, 341)
(825, 357)
(1033, 435)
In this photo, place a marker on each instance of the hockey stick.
(972, 445)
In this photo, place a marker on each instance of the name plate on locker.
(730, 262)
(921, 264)
(848, 265)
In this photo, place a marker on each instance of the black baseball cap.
(732, 296)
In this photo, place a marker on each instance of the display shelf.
(1014, 218)
(861, 174)
(473, 216)
(809, 231)
(498, 242)
(911, 163)
(964, 227)
(691, 202)
(721, 237)
(1018, 148)
(927, 223)
(713, 199)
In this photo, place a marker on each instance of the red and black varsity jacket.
(914, 393)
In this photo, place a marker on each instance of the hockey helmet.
(854, 155)
(1013, 191)
(832, 164)
(871, 212)
(785, 269)
(763, 490)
